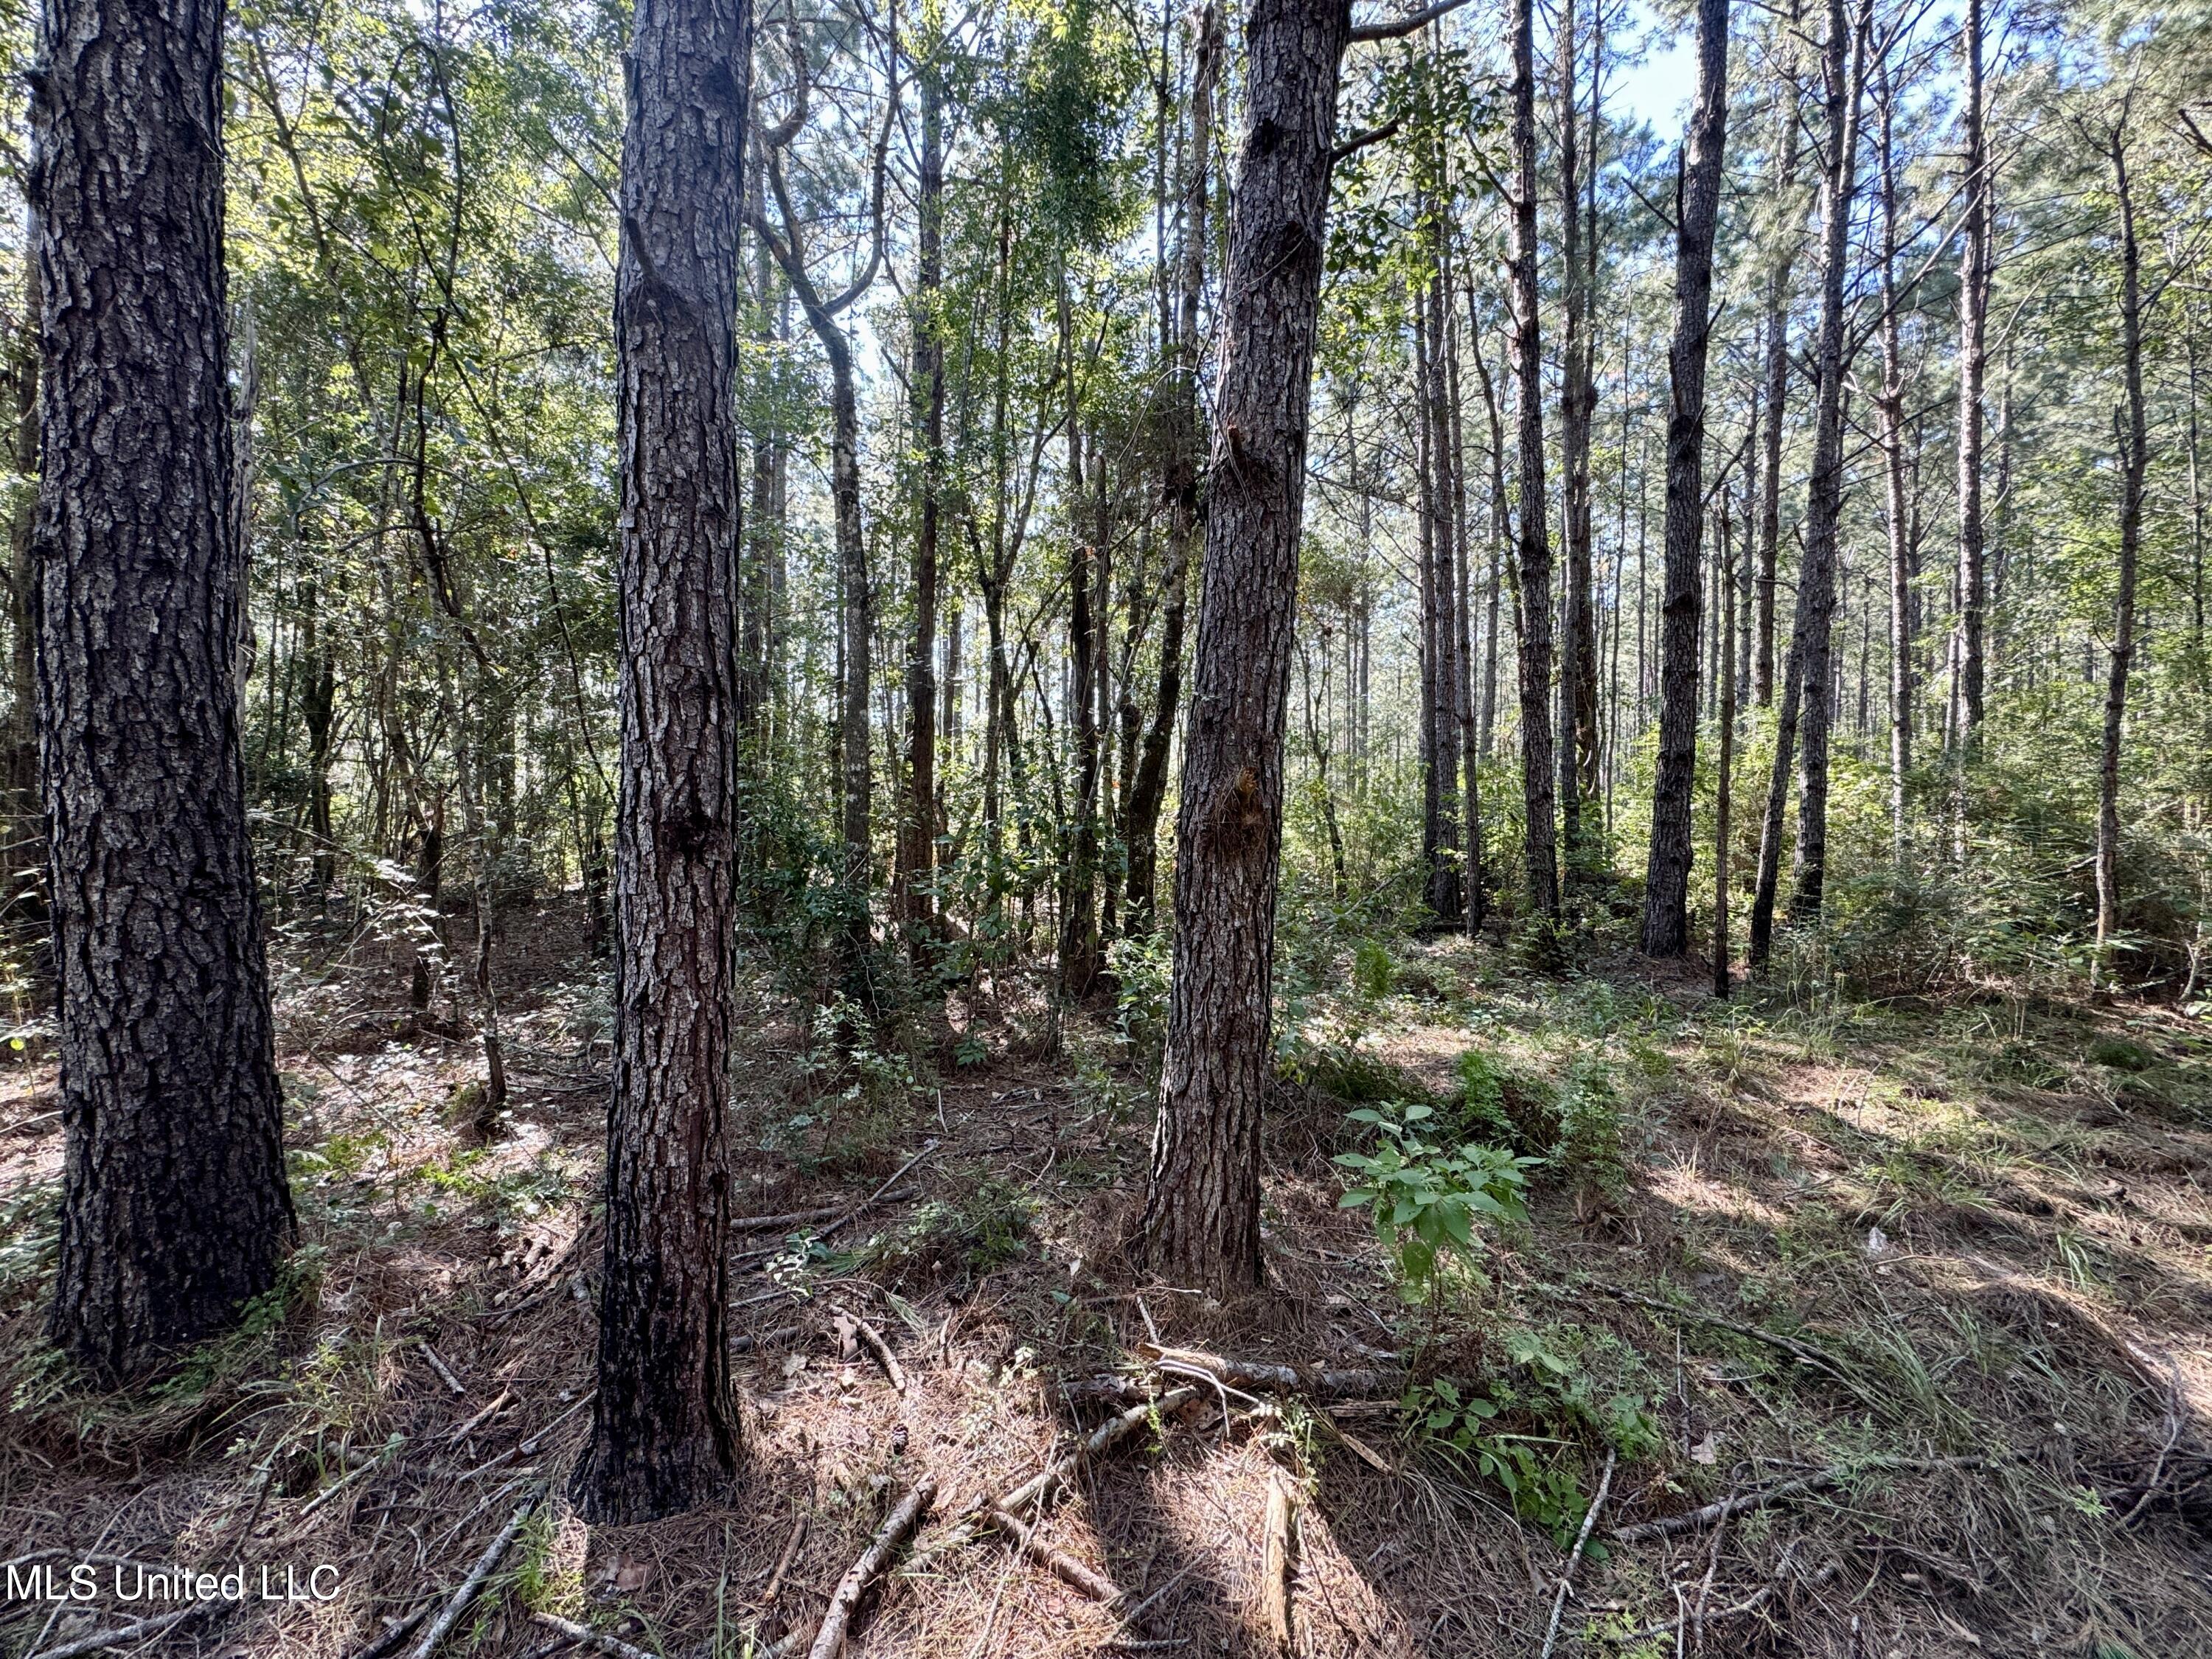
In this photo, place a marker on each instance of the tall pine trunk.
(2135, 458)
(1813, 642)
(1149, 788)
(1534, 606)
(175, 1208)
(665, 1425)
(1667, 881)
(914, 906)
(1774, 399)
(1892, 439)
(1201, 1219)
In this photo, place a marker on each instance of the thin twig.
(585, 1636)
(830, 1637)
(132, 1632)
(450, 1614)
(1581, 1539)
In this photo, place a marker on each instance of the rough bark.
(1534, 608)
(1201, 1220)
(1843, 71)
(1723, 778)
(1891, 436)
(175, 1208)
(1775, 400)
(1578, 744)
(1973, 352)
(1149, 789)
(1439, 620)
(1078, 923)
(665, 1425)
(1666, 879)
(913, 903)
(2135, 458)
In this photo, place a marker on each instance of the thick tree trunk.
(173, 1207)
(2135, 460)
(1767, 881)
(1534, 609)
(1667, 880)
(666, 1425)
(1201, 1220)
(1149, 789)
(1843, 71)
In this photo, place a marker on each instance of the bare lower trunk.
(913, 904)
(665, 1425)
(2134, 461)
(1201, 1220)
(1534, 610)
(1812, 637)
(1150, 788)
(174, 1209)
(1667, 882)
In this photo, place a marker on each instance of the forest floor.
(1925, 1292)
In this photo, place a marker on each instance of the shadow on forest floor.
(1929, 1294)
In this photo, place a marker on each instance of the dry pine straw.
(1416, 1558)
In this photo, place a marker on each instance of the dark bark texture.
(664, 1430)
(1667, 882)
(1813, 642)
(175, 1208)
(1201, 1221)
(1539, 840)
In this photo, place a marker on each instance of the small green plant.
(1426, 1198)
(1140, 964)
(976, 1234)
(1529, 1467)
(1373, 975)
(1590, 1151)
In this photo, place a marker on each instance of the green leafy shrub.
(1425, 1199)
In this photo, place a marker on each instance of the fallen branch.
(1820, 1480)
(1100, 1438)
(749, 1343)
(1320, 1383)
(768, 1224)
(501, 1401)
(1040, 1486)
(1275, 1561)
(137, 1632)
(382, 1457)
(851, 1325)
(583, 1635)
(1575, 1555)
(444, 1371)
(396, 1630)
(1062, 1566)
(1752, 1603)
(450, 1614)
(529, 1447)
(830, 1637)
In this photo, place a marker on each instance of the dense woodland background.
(1732, 1028)
(421, 240)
